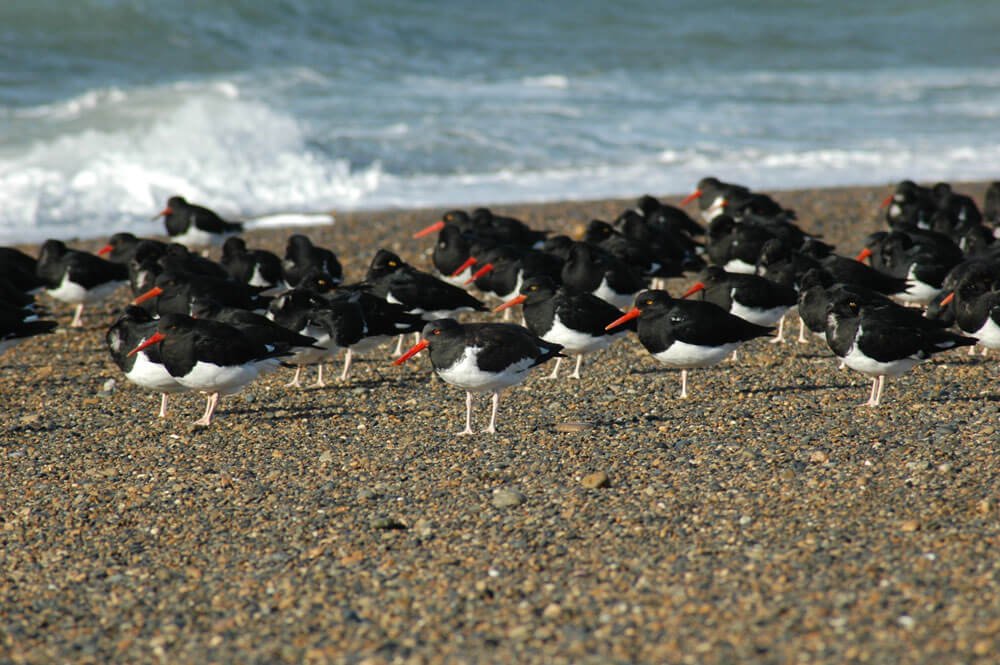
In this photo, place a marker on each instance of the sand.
(768, 518)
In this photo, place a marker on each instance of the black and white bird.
(976, 302)
(144, 368)
(77, 277)
(575, 321)
(20, 323)
(418, 292)
(210, 357)
(750, 297)
(194, 225)
(481, 357)
(303, 258)
(881, 342)
(256, 267)
(687, 334)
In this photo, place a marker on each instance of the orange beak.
(479, 273)
(433, 228)
(155, 338)
(628, 316)
(163, 213)
(696, 194)
(863, 254)
(947, 299)
(698, 286)
(469, 262)
(516, 300)
(148, 295)
(105, 250)
(417, 348)
(886, 201)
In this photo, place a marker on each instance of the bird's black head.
(383, 263)
(538, 288)
(598, 231)
(175, 202)
(234, 246)
(437, 327)
(653, 299)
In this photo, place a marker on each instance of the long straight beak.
(628, 316)
(479, 273)
(163, 213)
(516, 300)
(148, 295)
(155, 338)
(469, 262)
(698, 286)
(948, 298)
(427, 230)
(107, 249)
(414, 350)
(863, 254)
(886, 201)
(696, 194)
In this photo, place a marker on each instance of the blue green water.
(108, 107)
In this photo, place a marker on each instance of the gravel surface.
(768, 518)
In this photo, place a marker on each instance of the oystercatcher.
(195, 226)
(506, 268)
(307, 313)
(591, 270)
(303, 257)
(210, 357)
(575, 321)
(751, 297)
(20, 270)
(144, 368)
(175, 291)
(256, 267)
(19, 323)
(454, 252)
(923, 259)
(77, 277)
(481, 357)
(687, 333)
(882, 342)
(419, 292)
(122, 247)
(977, 304)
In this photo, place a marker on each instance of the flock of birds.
(215, 326)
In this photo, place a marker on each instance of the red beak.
(417, 348)
(886, 201)
(105, 250)
(863, 254)
(469, 262)
(155, 338)
(628, 316)
(948, 298)
(516, 300)
(696, 194)
(426, 231)
(148, 295)
(479, 273)
(163, 213)
(698, 286)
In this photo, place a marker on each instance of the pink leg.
(468, 416)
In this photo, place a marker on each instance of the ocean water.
(107, 107)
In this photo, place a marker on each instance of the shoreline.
(973, 188)
(766, 518)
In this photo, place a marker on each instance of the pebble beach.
(767, 518)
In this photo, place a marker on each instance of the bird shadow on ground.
(809, 387)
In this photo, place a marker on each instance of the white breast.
(152, 376)
(466, 374)
(687, 356)
(75, 294)
(573, 341)
(212, 378)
